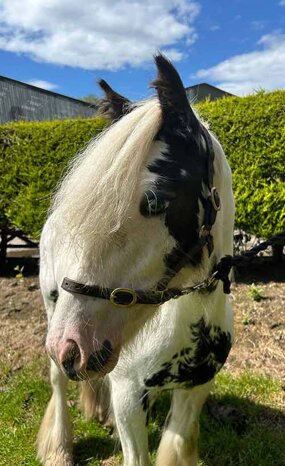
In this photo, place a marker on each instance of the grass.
(242, 424)
(255, 292)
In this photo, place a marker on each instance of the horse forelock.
(94, 198)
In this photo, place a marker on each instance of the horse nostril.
(72, 356)
(99, 359)
(107, 346)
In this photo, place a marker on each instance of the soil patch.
(23, 321)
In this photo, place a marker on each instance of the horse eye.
(153, 204)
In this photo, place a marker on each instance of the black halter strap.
(127, 297)
(121, 296)
(210, 198)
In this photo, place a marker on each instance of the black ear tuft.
(176, 110)
(109, 92)
(169, 81)
(113, 106)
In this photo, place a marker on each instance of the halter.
(127, 297)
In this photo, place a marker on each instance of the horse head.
(126, 225)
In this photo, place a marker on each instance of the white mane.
(94, 197)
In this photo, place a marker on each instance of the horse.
(142, 215)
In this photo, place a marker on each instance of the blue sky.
(66, 45)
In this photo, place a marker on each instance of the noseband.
(127, 297)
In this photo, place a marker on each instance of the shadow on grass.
(238, 432)
(94, 448)
(234, 431)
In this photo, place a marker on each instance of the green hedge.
(251, 130)
(33, 158)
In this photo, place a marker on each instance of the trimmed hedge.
(251, 130)
(33, 158)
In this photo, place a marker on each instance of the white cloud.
(242, 74)
(282, 3)
(96, 34)
(42, 84)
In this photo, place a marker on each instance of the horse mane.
(93, 199)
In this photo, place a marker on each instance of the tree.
(90, 98)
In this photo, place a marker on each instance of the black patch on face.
(184, 166)
(196, 364)
(178, 189)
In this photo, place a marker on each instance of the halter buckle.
(115, 297)
(215, 199)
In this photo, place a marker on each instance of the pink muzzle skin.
(80, 355)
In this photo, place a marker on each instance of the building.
(200, 92)
(21, 101)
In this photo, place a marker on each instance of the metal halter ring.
(114, 297)
(215, 199)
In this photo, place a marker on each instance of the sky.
(67, 45)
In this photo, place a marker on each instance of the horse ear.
(176, 110)
(113, 106)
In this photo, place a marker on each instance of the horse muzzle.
(78, 364)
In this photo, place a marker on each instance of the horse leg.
(178, 446)
(130, 418)
(95, 401)
(55, 437)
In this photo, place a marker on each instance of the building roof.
(44, 91)
(22, 101)
(208, 85)
(202, 91)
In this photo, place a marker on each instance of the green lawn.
(242, 424)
